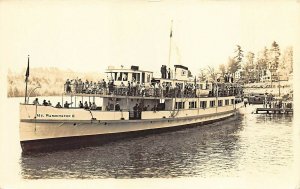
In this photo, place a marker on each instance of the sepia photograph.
(149, 94)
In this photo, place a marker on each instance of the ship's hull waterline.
(38, 135)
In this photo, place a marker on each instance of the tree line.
(51, 81)
(252, 66)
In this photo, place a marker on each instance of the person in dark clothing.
(67, 105)
(86, 106)
(104, 83)
(135, 111)
(111, 87)
(45, 103)
(117, 107)
(58, 105)
(80, 104)
(68, 86)
(163, 71)
(129, 88)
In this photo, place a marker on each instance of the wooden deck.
(273, 110)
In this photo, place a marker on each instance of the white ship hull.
(44, 128)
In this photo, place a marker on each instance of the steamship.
(179, 102)
(134, 103)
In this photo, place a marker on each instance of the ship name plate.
(55, 115)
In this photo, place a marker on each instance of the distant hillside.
(50, 79)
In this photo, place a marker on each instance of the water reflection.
(201, 151)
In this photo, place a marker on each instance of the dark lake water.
(245, 146)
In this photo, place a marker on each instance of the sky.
(91, 35)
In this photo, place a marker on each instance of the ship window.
(125, 76)
(193, 104)
(232, 101)
(109, 76)
(136, 77)
(179, 105)
(119, 76)
(220, 102)
(226, 102)
(212, 103)
(143, 77)
(203, 104)
(148, 78)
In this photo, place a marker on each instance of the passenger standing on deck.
(143, 89)
(134, 87)
(138, 87)
(162, 71)
(156, 89)
(169, 73)
(80, 86)
(68, 86)
(135, 111)
(76, 86)
(104, 87)
(128, 88)
(167, 86)
(49, 103)
(151, 90)
(117, 107)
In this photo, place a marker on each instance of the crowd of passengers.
(92, 106)
(85, 105)
(134, 88)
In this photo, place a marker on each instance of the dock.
(274, 110)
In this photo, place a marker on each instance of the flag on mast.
(27, 71)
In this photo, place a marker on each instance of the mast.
(171, 34)
(26, 79)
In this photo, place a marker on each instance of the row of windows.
(203, 104)
(123, 76)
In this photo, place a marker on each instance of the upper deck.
(135, 83)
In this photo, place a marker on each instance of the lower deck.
(49, 113)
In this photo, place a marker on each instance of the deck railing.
(147, 91)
